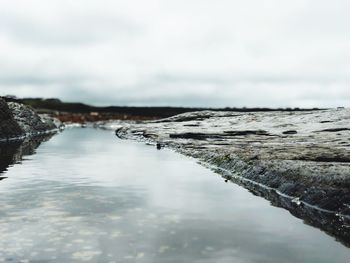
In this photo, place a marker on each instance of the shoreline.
(302, 164)
(313, 181)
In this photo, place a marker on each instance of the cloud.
(165, 52)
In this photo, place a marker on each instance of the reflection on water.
(13, 152)
(86, 196)
(332, 223)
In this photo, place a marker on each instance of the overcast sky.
(178, 52)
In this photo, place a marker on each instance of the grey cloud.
(191, 53)
(41, 81)
(82, 30)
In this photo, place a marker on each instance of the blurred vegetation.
(49, 105)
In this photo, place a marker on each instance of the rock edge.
(304, 155)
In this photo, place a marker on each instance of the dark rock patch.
(290, 132)
(247, 132)
(334, 130)
(194, 135)
(325, 121)
(191, 125)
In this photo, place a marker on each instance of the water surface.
(88, 196)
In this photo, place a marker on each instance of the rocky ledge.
(18, 121)
(301, 156)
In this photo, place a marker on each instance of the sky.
(209, 53)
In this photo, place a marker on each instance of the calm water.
(88, 196)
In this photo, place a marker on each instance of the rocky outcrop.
(9, 128)
(18, 121)
(303, 157)
(29, 121)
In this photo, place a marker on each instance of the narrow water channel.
(88, 196)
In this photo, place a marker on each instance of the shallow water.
(88, 196)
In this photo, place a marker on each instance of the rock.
(258, 147)
(18, 121)
(9, 128)
(29, 120)
(309, 161)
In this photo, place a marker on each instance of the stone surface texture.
(305, 155)
(18, 121)
(8, 126)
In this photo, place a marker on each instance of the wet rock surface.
(18, 121)
(302, 155)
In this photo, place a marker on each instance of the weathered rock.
(298, 160)
(301, 154)
(29, 120)
(9, 128)
(18, 121)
